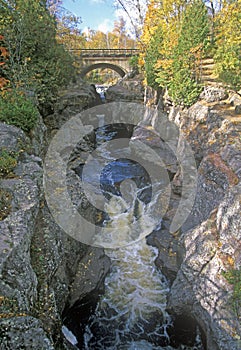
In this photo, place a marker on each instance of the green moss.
(233, 277)
(8, 161)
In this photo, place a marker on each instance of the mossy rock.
(8, 161)
(5, 203)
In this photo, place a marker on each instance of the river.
(131, 313)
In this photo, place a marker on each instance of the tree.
(68, 31)
(135, 11)
(120, 32)
(193, 38)
(173, 40)
(36, 61)
(228, 53)
(152, 56)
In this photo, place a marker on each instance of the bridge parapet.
(85, 53)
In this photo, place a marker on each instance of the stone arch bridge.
(114, 59)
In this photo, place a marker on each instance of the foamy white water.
(133, 306)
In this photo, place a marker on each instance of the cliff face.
(38, 261)
(18, 286)
(208, 245)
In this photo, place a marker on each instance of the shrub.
(5, 203)
(228, 65)
(16, 109)
(8, 161)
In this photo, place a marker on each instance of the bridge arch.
(111, 66)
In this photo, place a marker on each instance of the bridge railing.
(105, 52)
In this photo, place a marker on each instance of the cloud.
(106, 26)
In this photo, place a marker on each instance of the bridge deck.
(105, 52)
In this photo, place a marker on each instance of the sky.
(95, 14)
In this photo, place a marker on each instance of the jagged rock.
(200, 288)
(90, 275)
(150, 137)
(18, 285)
(76, 98)
(214, 179)
(126, 90)
(235, 99)
(18, 278)
(238, 109)
(23, 333)
(12, 138)
(231, 155)
(211, 234)
(213, 94)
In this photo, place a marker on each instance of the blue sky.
(96, 14)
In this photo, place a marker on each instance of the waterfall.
(133, 306)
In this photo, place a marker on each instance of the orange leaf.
(3, 51)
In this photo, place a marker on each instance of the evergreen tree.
(228, 53)
(152, 56)
(184, 86)
(172, 55)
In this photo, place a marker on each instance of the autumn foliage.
(178, 34)
(228, 38)
(32, 61)
(3, 60)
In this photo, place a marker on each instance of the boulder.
(235, 99)
(213, 94)
(76, 98)
(12, 138)
(126, 90)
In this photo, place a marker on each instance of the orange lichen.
(219, 163)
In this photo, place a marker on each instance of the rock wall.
(39, 263)
(209, 243)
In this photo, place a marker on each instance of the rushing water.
(131, 314)
(132, 310)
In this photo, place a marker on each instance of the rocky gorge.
(44, 272)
